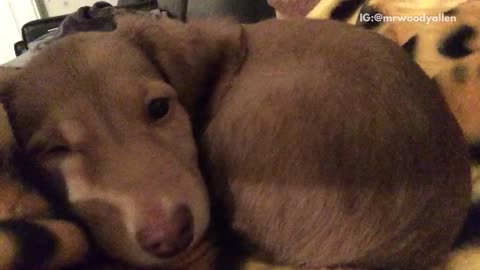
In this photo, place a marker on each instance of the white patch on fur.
(72, 131)
(131, 251)
(81, 189)
(73, 171)
(129, 211)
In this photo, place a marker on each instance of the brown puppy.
(324, 142)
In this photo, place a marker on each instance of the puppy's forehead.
(87, 63)
(87, 53)
(76, 72)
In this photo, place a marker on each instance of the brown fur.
(340, 151)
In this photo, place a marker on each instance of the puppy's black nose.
(167, 238)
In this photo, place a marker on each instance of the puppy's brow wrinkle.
(148, 48)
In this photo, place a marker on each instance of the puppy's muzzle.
(166, 237)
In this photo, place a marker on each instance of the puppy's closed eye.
(46, 146)
(158, 108)
(56, 151)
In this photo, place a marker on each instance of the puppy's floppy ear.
(7, 77)
(7, 141)
(192, 57)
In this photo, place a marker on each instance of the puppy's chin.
(114, 230)
(143, 260)
(133, 255)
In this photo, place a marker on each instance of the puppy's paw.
(41, 244)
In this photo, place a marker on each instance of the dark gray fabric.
(176, 8)
(245, 11)
(99, 17)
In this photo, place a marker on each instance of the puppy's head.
(105, 119)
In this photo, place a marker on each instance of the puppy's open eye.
(158, 108)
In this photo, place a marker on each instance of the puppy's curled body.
(322, 144)
(336, 152)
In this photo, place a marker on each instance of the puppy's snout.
(166, 238)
